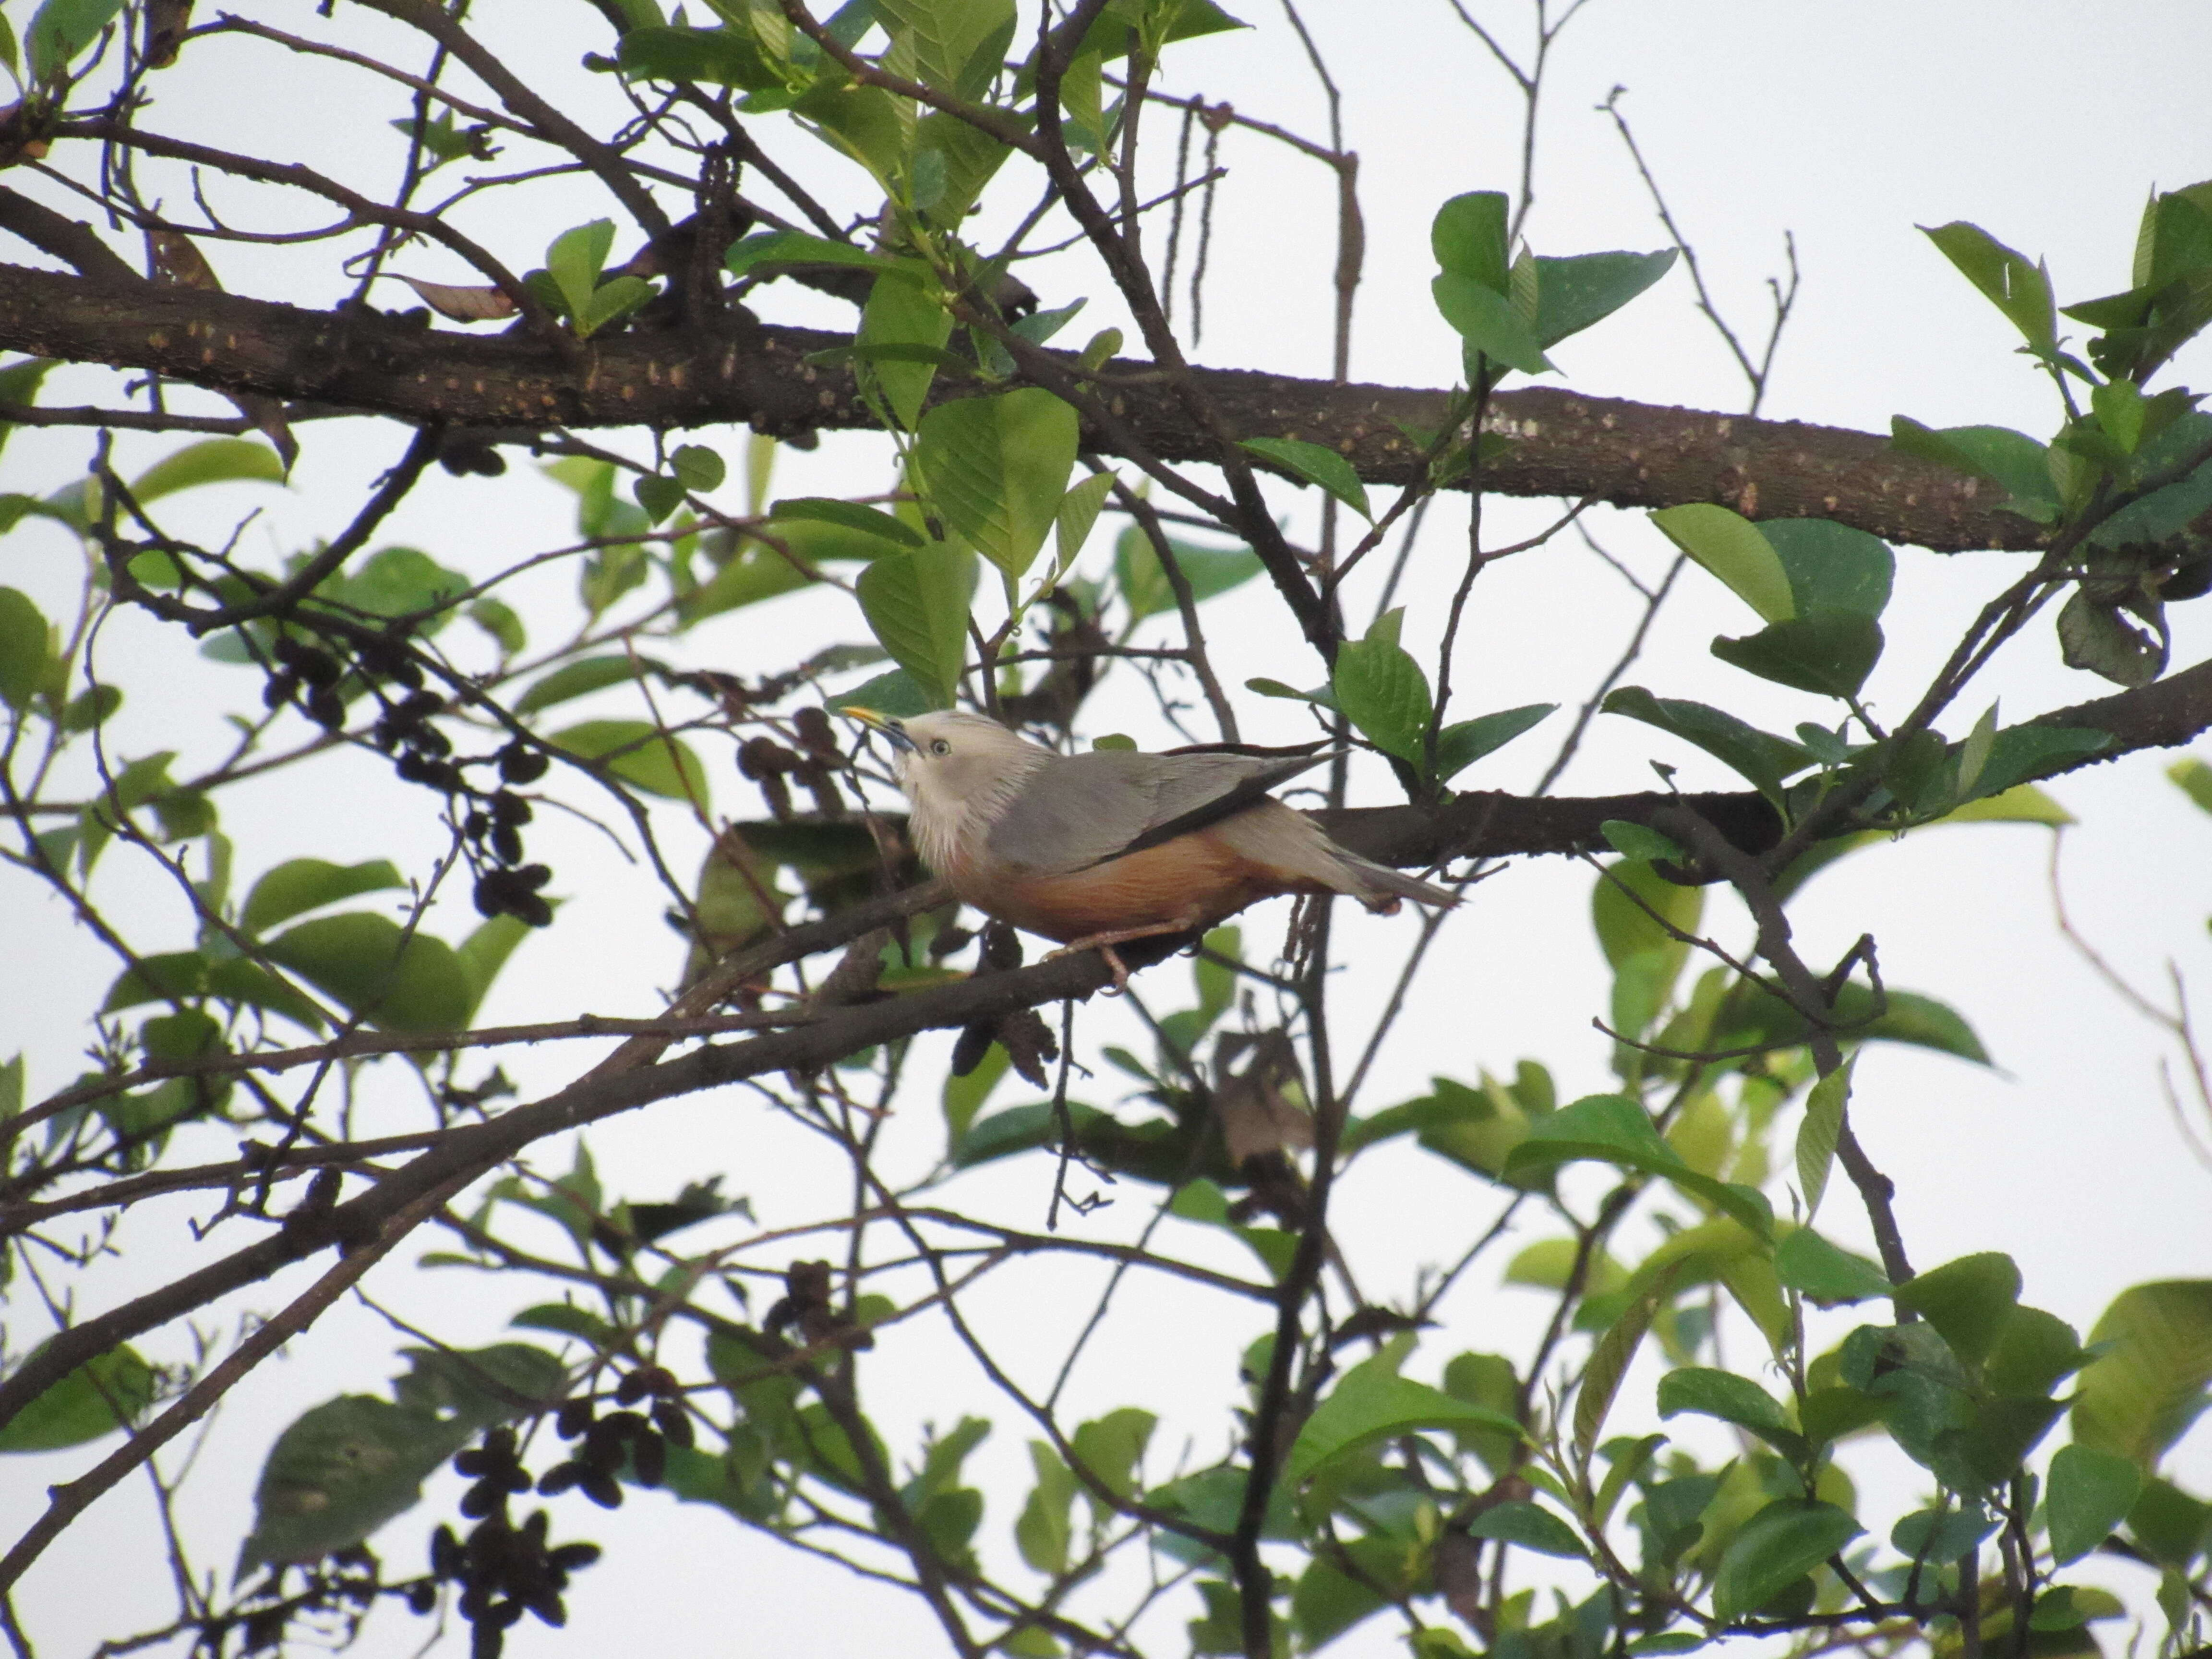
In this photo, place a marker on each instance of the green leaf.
(2006, 279)
(2194, 779)
(791, 247)
(576, 679)
(212, 460)
(497, 618)
(1111, 1447)
(636, 752)
(1585, 289)
(898, 694)
(2087, 1498)
(1639, 842)
(26, 650)
(868, 520)
(1383, 692)
(962, 1097)
(1485, 320)
(916, 604)
(611, 301)
(8, 54)
(163, 978)
(958, 43)
(1734, 549)
(1314, 464)
(1707, 1393)
(1041, 1531)
(1079, 511)
(1776, 1547)
(2094, 635)
(1968, 1301)
(2140, 1395)
(997, 467)
(1830, 651)
(1609, 1363)
(344, 1468)
(485, 951)
(904, 310)
(1462, 743)
(1831, 1277)
(98, 1397)
(1468, 237)
(1759, 757)
(1144, 584)
(1908, 1016)
(2011, 459)
(721, 57)
(1372, 1402)
(236, 979)
(1614, 1129)
(303, 884)
(1831, 567)
(574, 259)
(360, 959)
(60, 29)
(1819, 1133)
(1530, 1526)
(398, 581)
(697, 467)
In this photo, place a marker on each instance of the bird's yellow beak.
(891, 728)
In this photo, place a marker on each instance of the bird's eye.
(938, 746)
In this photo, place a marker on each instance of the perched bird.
(1097, 849)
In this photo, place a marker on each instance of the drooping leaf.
(1831, 567)
(1819, 1133)
(576, 679)
(25, 648)
(868, 520)
(1314, 464)
(1776, 1547)
(2010, 459)
(396, 983)
(997, 467)
(101, 1395)
(1143, 584)
(903, 310)
(211, 460)
(1829, 1276)
(1764, 759)
(2142, 1393)
(1372, 1402)
(1830, 651)
(1530, 1526)
(1614, 1129)
(574, 259)
(916, 604)
(720, 56)
(303, 884)
(1734, 549)
(1968, 1301)
(60, 29)
(1485, 320)
(636, 752)
(1732, 1399)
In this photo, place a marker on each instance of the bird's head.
(951, 763)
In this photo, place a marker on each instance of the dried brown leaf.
(462, 305)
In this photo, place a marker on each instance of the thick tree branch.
(1566, 444)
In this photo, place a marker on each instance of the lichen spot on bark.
(158, 340)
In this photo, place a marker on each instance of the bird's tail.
(1379, 887)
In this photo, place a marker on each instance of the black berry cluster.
(605, 1444)
(502, 1570)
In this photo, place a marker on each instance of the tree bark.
(1565, 444)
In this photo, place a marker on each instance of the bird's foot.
(1104, 944)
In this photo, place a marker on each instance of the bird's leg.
(1104, 944)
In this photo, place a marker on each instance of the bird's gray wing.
(1076, 811)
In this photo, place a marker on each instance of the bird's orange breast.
(1190, 881)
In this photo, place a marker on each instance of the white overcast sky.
(1845, 124)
